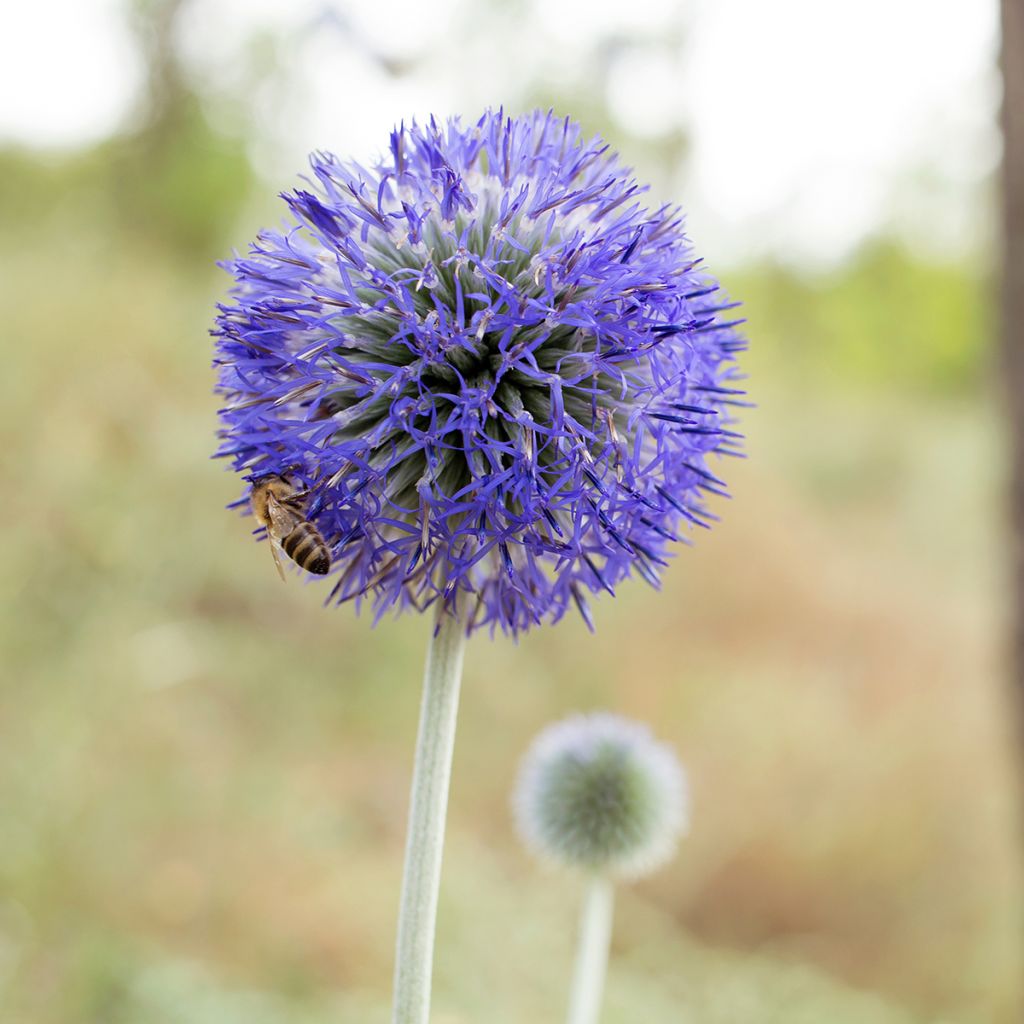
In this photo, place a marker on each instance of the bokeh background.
(203, 773)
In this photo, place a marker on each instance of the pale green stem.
(592, 951)
(428, 805)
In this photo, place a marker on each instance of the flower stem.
(592, 951)
(414, 953)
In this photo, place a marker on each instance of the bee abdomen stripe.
(292, 540)
(299, 544)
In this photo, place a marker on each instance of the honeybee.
(280, 506)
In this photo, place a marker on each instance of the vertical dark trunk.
(1013, 315)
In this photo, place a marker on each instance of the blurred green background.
(203, 773)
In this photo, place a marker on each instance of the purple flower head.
(498, 375)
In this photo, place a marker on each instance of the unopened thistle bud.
(597, 792)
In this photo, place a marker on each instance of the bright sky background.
(811, 123)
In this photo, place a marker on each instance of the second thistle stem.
(428, 806)
(592, 951)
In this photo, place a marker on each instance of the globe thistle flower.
(500, 378)
(597, 792)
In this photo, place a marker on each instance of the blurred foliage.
(204, 774)
(178, 181)
(184, 188)
(888, 319)
(171, 179)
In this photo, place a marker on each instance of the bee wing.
(283, 518)
(282, 521)
(277, 558)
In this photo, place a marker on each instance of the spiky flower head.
(597, 792)
(499, 375)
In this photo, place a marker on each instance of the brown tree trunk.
(1013, 315)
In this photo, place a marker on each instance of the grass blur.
(203, 774)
